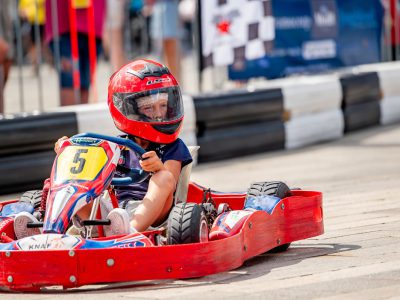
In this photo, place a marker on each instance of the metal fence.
(38, 79)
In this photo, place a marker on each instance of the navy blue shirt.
(176, 150)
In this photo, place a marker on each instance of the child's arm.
(152, 163)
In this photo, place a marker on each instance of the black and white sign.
(235, 30)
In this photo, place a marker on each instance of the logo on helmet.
(158, 80)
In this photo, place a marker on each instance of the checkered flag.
(236, 30)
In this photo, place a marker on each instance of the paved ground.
(358, 257)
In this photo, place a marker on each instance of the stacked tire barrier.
(27, 141)
(289, 113)
(26, 148)
(96, 118)
(239, 123)
(390, 104)
(312, 110)
(389, 75)
(361, 100)
(92, 118)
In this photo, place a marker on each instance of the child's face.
(154, 107)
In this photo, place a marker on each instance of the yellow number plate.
(80, 163)
(78, 4)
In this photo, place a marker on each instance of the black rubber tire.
(23, 172)
(272, 188)
(34, 133)
(244, 107)
(360, 88)
(362, 115)
(185, 223)
(241, 139)
(33, 197)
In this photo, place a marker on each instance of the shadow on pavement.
(252, 268)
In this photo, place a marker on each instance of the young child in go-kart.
(145, 102)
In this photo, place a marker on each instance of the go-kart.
(206, 232)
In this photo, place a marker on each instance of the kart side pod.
(228, 224)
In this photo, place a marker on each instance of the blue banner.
(317, 35)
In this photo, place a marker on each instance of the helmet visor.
(157, 106)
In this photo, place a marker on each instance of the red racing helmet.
(145, 101)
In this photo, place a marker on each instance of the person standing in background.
(165, 31)
(113, 37)
(187, 14)
(6, 47)
(32, 11)
(63, 35)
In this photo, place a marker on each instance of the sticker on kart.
(48, 241)
(55, 241)
(80, 163)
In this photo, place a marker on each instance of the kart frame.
(293, 218)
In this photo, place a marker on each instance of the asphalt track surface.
(358, 257)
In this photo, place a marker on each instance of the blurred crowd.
(72, 35)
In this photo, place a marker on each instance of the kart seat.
(183, 181)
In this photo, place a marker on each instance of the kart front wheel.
(33, 197)
(187, 223)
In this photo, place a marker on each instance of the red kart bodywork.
(7, 224)
(297, 217)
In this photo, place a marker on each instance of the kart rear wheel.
(187, 223)
(271, 188)
(33, 197)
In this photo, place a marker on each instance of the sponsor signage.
(276, 38)
(325, 19)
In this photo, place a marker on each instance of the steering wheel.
(134, 175)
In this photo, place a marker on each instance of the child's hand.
(151, 162)
(58, 143)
